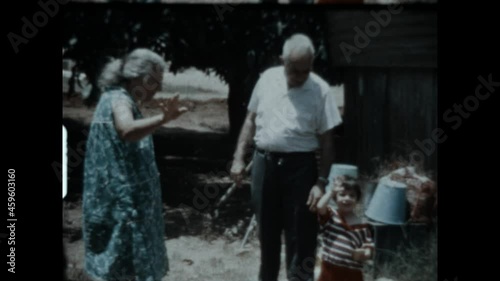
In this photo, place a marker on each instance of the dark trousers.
(280, 187)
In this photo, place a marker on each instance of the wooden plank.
(428, 111)
(372, 116)
(412, 110)
(351, 110)
(434, 112)
(386, 112)
(395, 117)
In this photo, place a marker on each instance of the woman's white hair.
(138, 63)
(298, 43)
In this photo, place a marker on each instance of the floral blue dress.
(123, 226)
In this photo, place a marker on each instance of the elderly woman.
(123, 226)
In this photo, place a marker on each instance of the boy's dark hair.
(348, 183)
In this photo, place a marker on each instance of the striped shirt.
(341, 239)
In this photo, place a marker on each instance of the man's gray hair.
(298, 43)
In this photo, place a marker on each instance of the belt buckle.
(280, 161)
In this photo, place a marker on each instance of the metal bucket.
(388, 204)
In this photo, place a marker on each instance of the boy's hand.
(360, 254)
(323, 203)
(364, 253)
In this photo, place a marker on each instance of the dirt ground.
(203, 257)
(209, 251)
(199, 249)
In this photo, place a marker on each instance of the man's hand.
(246, 135)
(238, 171)
(314, 195)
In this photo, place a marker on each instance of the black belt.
(285, 154)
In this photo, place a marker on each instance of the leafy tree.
(237, 42)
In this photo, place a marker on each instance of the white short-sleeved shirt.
(291, 120)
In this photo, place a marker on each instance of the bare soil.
(199, 247)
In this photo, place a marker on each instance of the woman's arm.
(132, 130)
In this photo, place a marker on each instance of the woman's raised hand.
(171, 109)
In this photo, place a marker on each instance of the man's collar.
(305, 86)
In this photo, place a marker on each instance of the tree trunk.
(236, 107)
(241, 86)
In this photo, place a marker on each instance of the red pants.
(331, 272)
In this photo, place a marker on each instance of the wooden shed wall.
(388, 111)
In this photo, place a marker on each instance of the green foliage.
(243, 42)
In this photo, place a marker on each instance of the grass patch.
(413, 263)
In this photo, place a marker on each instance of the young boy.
(347, 242)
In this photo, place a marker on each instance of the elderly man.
(291, 114)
